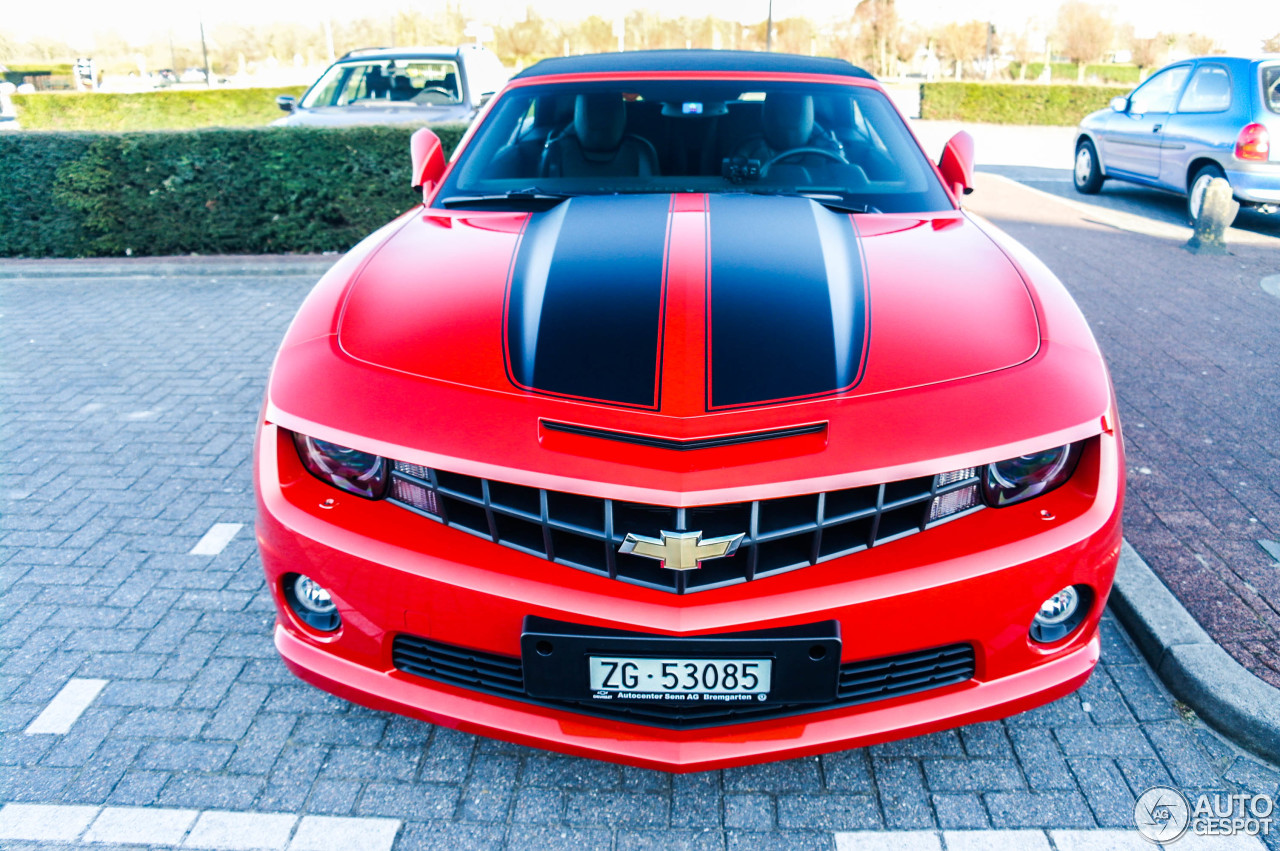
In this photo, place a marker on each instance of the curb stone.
(1192, 665)
(222, 266)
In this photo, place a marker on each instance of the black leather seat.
(375, 84)
(787, 123)
(402, 88)
(450, 85)
(596, 144)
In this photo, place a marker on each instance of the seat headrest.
(599, 121)
(788, 120)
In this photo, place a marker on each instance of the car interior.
(605, 134)
(694, 138)
(376, 84)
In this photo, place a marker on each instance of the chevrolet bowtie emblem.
(681, 550)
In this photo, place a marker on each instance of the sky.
(1236, 24)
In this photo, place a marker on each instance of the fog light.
(1059, 607)
(310, 601)
(312, 596)
(1061, 614)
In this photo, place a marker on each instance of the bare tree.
(1083, 34)
(1024, 49)
(594, 35)
(526, 41)
(1201, 45)
(1149, 53)
(878, 28)
(794, 35)
(961, 43)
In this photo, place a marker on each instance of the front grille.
(780, 534)
(860, 682)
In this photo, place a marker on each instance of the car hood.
(689, 304)
(346, 116)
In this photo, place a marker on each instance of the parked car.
(690, 422)
(1189, 123)
(401, 85)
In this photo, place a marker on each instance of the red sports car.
(690, 423)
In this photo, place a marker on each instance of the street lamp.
(208, 78)
(768, 30)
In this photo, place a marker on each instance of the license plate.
(627, 676)
(565, 661)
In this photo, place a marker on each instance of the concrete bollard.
(1217, 211)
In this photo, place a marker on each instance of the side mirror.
(485, 98)
(1120, 103)
(427, 158)
(288, 103)
(956, 164)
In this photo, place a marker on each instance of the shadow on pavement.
(1129, 198)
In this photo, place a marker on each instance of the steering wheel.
(434, 95)
(794, 152)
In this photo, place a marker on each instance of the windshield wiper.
(830, 201)
(837, 203)
(521, 198)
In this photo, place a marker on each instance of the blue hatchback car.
(1192, 121)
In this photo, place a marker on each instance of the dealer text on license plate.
(631, 675)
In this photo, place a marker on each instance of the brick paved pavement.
(127, 420)
(1194, 348)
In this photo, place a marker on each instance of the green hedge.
(41, 68)
(159, 110)
(243, 191)
(1069, 71)
(1013, 103)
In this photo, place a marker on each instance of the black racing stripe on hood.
(787, 301)
(584, 315)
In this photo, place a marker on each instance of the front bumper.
(977, 580)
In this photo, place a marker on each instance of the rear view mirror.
(286, 102)
(1120, 103)
(956, 164)
(427, 158)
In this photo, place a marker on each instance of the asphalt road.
(127, 427)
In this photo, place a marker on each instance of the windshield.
(388, 82)
(842, 145)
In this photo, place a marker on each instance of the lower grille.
(860, 682)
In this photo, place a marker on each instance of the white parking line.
(44, 822)
(66, 707)
(141, 826)
(1033, 840)
(1101, 840)
(216, 539)
(87, 827)
(327, 833)
(241, 831)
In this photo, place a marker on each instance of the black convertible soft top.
(692, 60)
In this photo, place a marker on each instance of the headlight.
(360, 473)
(1028, 476)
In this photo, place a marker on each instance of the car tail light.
(1017, 479)
(360, 473)
(1253, 143)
